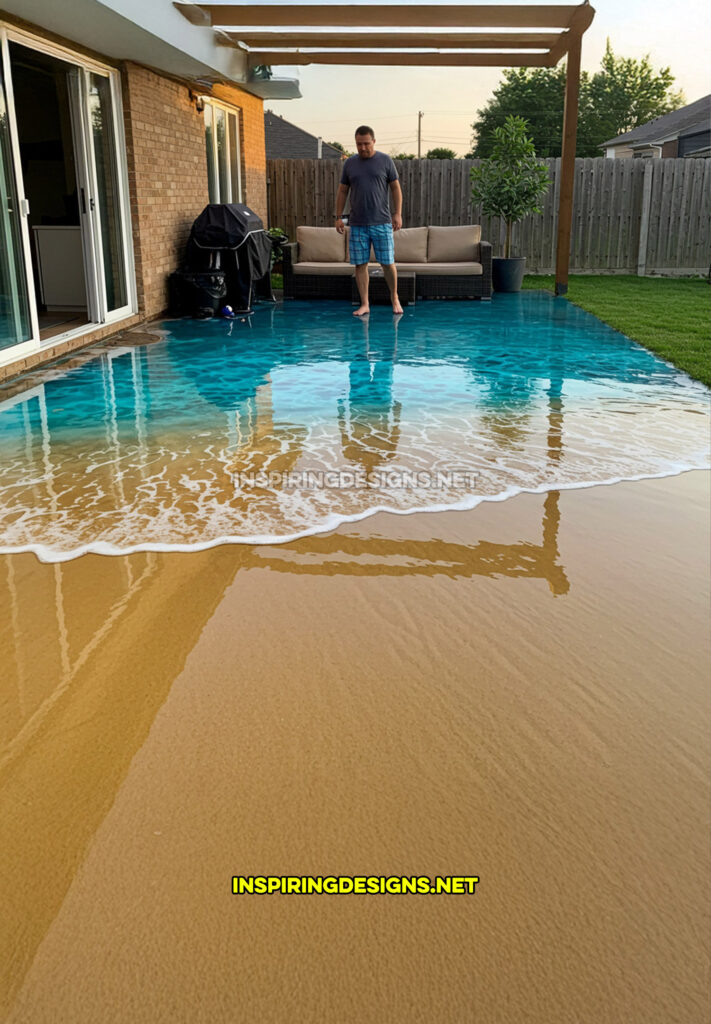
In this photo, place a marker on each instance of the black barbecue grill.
(227, 255)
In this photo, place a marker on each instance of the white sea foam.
(332, 522)
(49, 554)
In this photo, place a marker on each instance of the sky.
(337, 99)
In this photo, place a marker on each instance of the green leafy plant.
(279, 238)
(511, 182)
(440, 153)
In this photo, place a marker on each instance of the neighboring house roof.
(286, 141)
(668, 126)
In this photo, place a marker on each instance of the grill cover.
(223, 227)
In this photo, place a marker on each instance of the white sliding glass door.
(102, 199)
(76, 87)
(90, 180)
(107, 175)
(18, 325)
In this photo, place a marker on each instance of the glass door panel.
(210, 147)
(222, 155)
(108, 195)
(87, 219)
(15, 319)
(234, 158)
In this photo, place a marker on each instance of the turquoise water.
(300, 417)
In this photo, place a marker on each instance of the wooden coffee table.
(379, 292)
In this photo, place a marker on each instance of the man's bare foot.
(362, 310)
(397, 308)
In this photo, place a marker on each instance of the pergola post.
(567, 166)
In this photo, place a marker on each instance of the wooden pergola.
(419, 36)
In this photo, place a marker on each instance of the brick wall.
(165, 139)
(165, 142)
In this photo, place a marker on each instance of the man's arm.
(396, 199)
(341, 197)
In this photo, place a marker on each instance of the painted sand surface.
(302, 417)
(518, 692)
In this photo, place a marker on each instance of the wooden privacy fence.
(629, 216)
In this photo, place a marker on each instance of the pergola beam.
(579, 23)
(395, 58)
(395, 40)
(522, 16)
(567, 166)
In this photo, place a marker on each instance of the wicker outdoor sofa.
(448, 263)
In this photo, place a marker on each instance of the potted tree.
(510, 184)
(278, 238)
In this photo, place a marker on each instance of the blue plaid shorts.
(360, 237)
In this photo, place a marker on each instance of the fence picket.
(701, 251)
(607, 208)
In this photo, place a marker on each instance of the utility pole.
(420, 115)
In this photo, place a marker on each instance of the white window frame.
(209, 101)
(11, 33)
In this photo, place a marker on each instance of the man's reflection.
(369, 419)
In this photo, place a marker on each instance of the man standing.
(367, 177)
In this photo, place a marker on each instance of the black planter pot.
(507, 274)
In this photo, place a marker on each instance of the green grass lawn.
(670, 316)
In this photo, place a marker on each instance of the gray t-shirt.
(368, 179)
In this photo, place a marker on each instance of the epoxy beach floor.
(301, 417)
(517, 692)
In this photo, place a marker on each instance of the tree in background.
(533, 93)
(339, 147)
(626, 93)
(440, 153)
(622, 95)
(403, 156)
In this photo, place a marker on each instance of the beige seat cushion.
(325, 269)
(411, 245)
(320, 245)
(454, 244)
(461, 269)
(421, 269)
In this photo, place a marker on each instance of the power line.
(382, 117)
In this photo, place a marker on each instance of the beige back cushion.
(454, 244)
(320, 245)
(411, 245)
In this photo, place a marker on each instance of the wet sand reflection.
(84, 679)
(84, 675)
